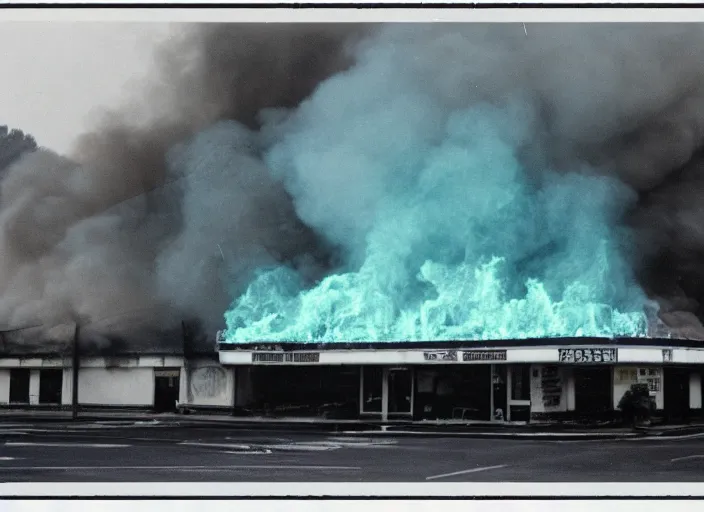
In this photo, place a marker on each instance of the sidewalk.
(485, 430)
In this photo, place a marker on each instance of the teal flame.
(463, 246)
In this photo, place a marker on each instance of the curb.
(542, 433)
(527, 436)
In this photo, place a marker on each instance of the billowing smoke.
(343, 182)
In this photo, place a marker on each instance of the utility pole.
(74, 367)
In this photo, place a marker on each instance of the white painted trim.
(687, 355)
(545, 355)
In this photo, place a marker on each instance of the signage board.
(484, 355)
(167, 373)
(551, 386)
(285, 357)
(588, 355)
(667, 355)
(440, 355)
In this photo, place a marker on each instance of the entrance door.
(400, 391)
(676, 393)
(19, 386)
(593, 389)
(50, 384)
(166, 390)
(500, 398)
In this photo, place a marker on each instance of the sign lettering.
(484, 355)
(588, 355)
(288, 357)
(442, 355)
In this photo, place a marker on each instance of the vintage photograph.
(352, 251)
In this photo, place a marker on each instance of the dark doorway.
(19, 386)
(459, 392)
(593, 390)
(372, 388)
(166, 390)
(676, 394)
(308, 391)
(50, 384)
(498, 381)
(400, 391)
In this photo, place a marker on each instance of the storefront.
(499, 382)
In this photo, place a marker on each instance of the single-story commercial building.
(505, 380)
(543, 379)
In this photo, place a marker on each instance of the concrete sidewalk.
(486, 430)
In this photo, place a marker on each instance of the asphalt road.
(99, 453)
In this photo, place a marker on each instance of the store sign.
(440, 355)
(484, 355)
(667, 355)
(289, 357)
(551, 386)
(588, 355)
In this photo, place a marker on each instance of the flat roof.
(459, 344)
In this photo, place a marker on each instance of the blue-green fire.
(461, 245)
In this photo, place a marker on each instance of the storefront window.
(520, 382)
(371, 388)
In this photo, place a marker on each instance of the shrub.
(636, 404)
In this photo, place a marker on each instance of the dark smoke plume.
(90, 237)
(167, 208)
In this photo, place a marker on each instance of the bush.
(636, 404)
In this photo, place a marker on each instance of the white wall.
(538, 389)
(33, 387)
(210, 384)
(67, 387)
(4, 386)
(695, 390)
(116, 386)
(626, 376)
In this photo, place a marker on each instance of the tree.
(13, 144)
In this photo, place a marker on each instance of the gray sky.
(57, 76)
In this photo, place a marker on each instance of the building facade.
(158, 383)
(539, 380)
(507, 381)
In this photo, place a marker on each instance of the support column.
(385, 395)
(75, 369)
(509, 379)
(491, 392)
(34, 386)
(695, 390)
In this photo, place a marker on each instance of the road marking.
(183, 468)
(475, 470)
(217, 445)
(251, 452)
(573, 435)
(70, 445)
(301, 447)
(688, 457)
(10, 458)
(668, 438)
